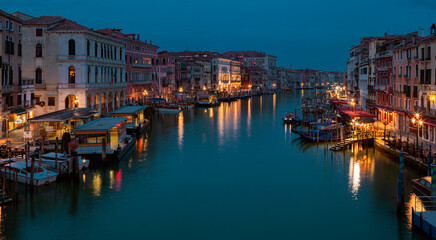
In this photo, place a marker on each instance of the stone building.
(73, 66)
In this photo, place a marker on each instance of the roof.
(65, 114)
(129, 110)
(116, 33)
(44, 20)
(101, 124)
(56, 23)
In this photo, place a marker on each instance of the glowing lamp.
(432, 97)
(413, 120)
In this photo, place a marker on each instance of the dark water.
(233, 172)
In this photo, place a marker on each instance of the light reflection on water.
(253, 185)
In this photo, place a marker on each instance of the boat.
(137, 118)
(49, 159)
(207, 101)
(169, 109)
(290, 118)
(422, 186)
(104, 139)
(20, 172)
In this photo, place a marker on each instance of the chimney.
(386, 34)
(150, 42)
(422, 32)
(138, 36)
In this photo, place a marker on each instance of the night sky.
(307, 34)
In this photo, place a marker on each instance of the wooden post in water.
(400, 197)
(56, 153)
(429, 163)
(103, 149)
(32, 165)
(40, 157)
(68, 161)
(42, 144)
(433, 184)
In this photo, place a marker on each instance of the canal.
(230, 172)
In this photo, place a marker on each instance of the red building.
(141, 65)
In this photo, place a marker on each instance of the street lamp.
(417, 121)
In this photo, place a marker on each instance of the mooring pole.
(433, 184)
(400, 197)
(429, 163)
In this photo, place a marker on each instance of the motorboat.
(422, 186)
(290, 118)
(21, 172)
(169, 109)
(207, 101)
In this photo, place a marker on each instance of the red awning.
(339, 101)
(370, 107)
(355, 112)
(429, 122)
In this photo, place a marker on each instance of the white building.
(228, 74)
(72, 65)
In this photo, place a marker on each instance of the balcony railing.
(29, 103)
(7, 88)
(142, 65)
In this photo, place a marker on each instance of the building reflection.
(96, 184)
(361, 167)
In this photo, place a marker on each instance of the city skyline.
(267, 28)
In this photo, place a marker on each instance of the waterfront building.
(228, 74)
(253, 78)
(166, 65)
(257, 59)
(13, 114)
(141, 65)
(405, 81)
(73, 66)
(384, 84)
(426, 55)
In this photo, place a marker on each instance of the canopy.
(355, 112)
(339, 101)
(385, 109)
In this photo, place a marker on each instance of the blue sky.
(307, 34)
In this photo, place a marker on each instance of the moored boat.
(207, 101)
(20, 172)
(422, 186)
(49, 159)
(169, 109)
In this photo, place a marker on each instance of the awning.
(339, 101)
(370, 107)
(19, 111)
(355, 112)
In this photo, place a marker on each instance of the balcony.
(29, 103)
(141, 65)
(7, 89)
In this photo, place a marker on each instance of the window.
(88, 48)
(38, 76)
(20, 48)
(37, 99)
(95, 49)
(38, 32)
(7, 24)
(51, 101)
(19, 28)
(71, 75)
(71, 47)
(38, 50)
(11, 26)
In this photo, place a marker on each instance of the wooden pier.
(347, 143)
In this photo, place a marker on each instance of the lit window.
(71, 75)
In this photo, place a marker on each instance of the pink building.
(141, 65)
(166, 64)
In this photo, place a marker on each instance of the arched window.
(88, 48)
(71, 75)
(38, 50)
(115, 53)
(71, 47)
(96, 49)
(38, 76)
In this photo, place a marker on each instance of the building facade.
(141, 65)
(73, 66)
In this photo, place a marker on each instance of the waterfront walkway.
(392, 132)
